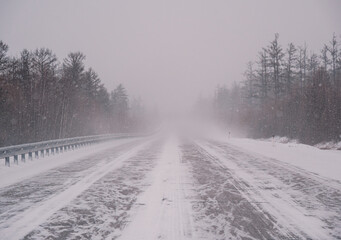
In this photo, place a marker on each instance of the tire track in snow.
(103, 209)
(163, 211)
(221, 209)
(23, 195)
(293, 196)
(31, 215)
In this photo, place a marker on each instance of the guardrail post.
(42, 153)
(16, 159)
(23, 157)
(48, 152)
(37, 154)
(7, 161)
(30, 155)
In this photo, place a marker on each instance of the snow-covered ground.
(300, 204)
(30, 168)
(175, 187)
(326, 163)
(29, 203)
(163, 212)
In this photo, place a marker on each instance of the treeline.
(289, 91)
(42, 99)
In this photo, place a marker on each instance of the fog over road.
(170, 186)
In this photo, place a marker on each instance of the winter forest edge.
(288, 91)
(43, 99)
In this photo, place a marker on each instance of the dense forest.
(288, 91)
(42, 99)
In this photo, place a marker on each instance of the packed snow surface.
(175, 186)
(326, 163)
(15, 173)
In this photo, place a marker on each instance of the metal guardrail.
(52, 146)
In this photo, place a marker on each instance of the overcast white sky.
(167, 52)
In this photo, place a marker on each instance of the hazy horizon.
(167, 53)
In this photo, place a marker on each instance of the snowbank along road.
(168, 187)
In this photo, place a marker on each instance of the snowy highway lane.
(168, 187)
(27, 204)
(255, 197)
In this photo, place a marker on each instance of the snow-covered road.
(163, 211)
(168, 187)
(283, 201)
